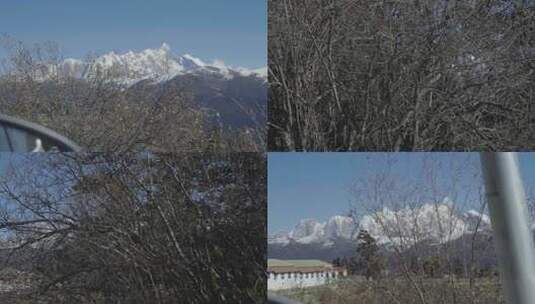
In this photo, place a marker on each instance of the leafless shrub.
(102, 228)
(400, 75)
(434, 251)
(102, 115)
(397, 291)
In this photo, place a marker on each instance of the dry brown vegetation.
(433, 256)
(433, 253)
(101, 115)
(165, 228)
(401, 75)
(485, 291)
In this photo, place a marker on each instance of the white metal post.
(512, 235)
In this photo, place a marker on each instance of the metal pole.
(512, 235)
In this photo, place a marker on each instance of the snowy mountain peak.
(132, 67)
(340, 227)
(190, 62)
(307, 231)
(477, 220)
(158, 64)
(436, 222)
(407, 226)
(165, 47)
(279, 238)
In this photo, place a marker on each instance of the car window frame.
(63, 143)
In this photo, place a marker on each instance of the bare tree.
(435, 252)
(101, 228)
(400, 75)
(102, 114)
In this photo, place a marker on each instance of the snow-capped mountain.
(151, 64)
(476, 220)
(430, 223)
(313, 239)
(230, 97)
(310, 231)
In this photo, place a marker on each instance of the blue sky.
(233, 31)
(5, 158)
(316, 185)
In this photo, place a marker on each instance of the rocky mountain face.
(430, 224)
(240, 101)
(151, 64)
(234, 97)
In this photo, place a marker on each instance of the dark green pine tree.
(367, 261)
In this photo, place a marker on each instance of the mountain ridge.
(405, 227)
(157, 65)
(230, 97)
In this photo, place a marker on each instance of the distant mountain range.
(235, 97)
(430, 224)
(151, 64)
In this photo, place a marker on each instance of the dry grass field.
(402, 291)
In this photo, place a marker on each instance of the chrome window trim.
(65, 144)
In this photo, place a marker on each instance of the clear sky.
(4, 161)
(233, 31)
(316, 185)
